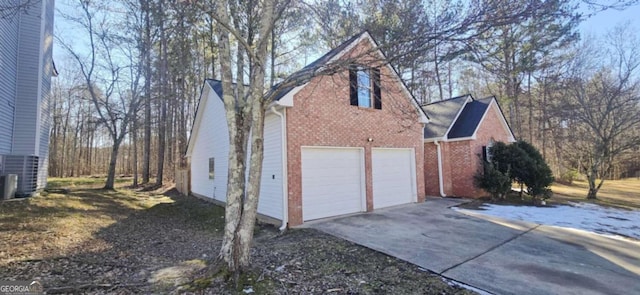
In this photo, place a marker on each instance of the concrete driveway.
(495, 255)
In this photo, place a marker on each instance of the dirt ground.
(104, 242)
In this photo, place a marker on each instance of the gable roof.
(460, 117)
(304, 75)
(195, 125)
(216, 85)
(469, 119)
(442, 115)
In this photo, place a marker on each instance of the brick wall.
(491, 128)
(462, 170)
(462, 159)
(431, 180)
(322, 116)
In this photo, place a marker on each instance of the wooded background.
(133, 71)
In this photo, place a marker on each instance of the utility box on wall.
(8, 186)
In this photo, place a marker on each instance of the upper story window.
(365, 87)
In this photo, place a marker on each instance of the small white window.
(212, 167)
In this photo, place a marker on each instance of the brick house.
(456, 141)
(349, 142)
(338, 144)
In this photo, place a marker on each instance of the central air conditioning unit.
(8, 186)
(26, 168)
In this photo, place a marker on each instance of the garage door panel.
(393, 177)
(331, 182)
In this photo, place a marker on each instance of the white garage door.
(332, 182)
(393, 177)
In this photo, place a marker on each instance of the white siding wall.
(26, 130)
(26, 66)
(8, 72)
(45, 104)
(270, 203)
(211, 141)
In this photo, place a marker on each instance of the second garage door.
(393, 177)
(332, 182)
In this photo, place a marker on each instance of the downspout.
(285, 200)
(440, 180)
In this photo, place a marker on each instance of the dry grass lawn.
(618, 193)
(79, 239)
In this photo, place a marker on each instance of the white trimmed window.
(212, 168)
(365, 87)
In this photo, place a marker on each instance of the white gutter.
(285, 200)
(440, 181)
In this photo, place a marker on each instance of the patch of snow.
(248, 290)
(584, 216)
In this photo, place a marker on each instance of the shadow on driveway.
(495, 255)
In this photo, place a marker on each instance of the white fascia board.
(503, 120)
(204, 96)
(486, 111)
(287, 99)
(446, 134)
(461, 138)
(433, 139)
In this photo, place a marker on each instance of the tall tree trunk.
(134, 140)
(112, 164)
(146, 152)
(449, 79)
(593, 189)
(237, 149)
(543, 129)
(244, 114)
(162, 124)
(437, 70)
(530, 108)
(272, 80)
(250, 208)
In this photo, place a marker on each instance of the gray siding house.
(26, 68)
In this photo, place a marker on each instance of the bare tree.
(601, 105)
(11, 8)
(146, 49)
(114, 106)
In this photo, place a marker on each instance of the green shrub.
(494, 181)
(538, 176)
(520, 162)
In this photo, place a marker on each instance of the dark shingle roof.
(303, 75)
(469, 118)
(216, 85)
(306, 73)
(442, 114)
